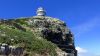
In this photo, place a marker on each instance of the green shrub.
(28, 38)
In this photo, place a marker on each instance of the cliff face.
(37, 36)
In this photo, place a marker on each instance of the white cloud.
(85, 52)
(86, 26)
(81, 50)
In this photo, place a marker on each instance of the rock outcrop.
(36, 36)
(41, 28)
(56, 31)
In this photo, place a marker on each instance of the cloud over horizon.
(86, 26)
(85, 52)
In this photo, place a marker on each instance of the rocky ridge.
(38, 36)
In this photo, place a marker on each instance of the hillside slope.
(37, 36)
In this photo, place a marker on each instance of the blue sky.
(81, 16)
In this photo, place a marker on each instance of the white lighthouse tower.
(41, 11)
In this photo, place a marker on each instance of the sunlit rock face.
(39, 35)
(56, 31)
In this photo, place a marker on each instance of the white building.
(41, 12)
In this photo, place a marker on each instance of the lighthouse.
(41, 11)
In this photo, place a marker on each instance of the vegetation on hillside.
(11, 32)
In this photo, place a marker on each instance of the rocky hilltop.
(36, 36)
